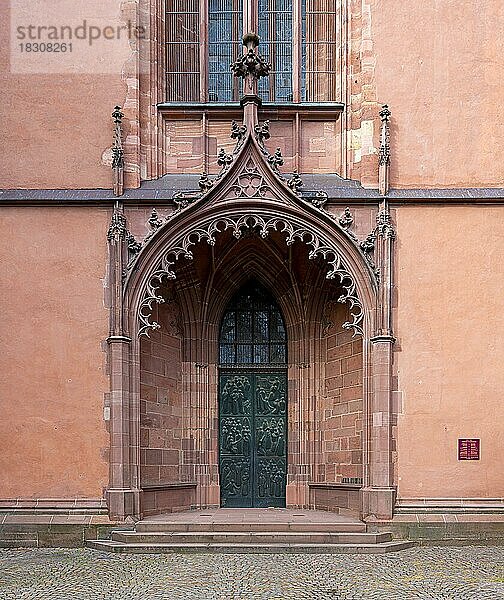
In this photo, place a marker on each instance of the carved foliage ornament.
(384, 156)
(117, 229)
(251, 63)
(238, 224)
(117, 149)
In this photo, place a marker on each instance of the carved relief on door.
(253, 440)
(253, 401)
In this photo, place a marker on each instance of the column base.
(378, 502)
(123, 503)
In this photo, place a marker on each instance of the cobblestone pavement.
(429, 573)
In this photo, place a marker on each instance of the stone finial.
(117, 115)
(346, 219)
(205, 183)
(276, 160)
(295, 182)
(118, 152)
(117, 228)
(385, 113)
(154, 221)
(251, 64)
(384, 155)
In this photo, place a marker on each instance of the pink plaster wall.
(53, 440)
(56, 126)
(450, 330)
(439, 67)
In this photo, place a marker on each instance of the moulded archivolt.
(263, 225)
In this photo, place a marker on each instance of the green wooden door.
(252, 402)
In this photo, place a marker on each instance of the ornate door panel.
(253, 446)
(252, 401)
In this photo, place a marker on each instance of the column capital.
(118, 339)
(387, 338)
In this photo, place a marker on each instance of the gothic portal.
(245, 329)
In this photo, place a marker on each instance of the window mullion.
(204, 53)
(296, 51)
(250, 17)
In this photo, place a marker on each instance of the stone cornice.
(154, 196)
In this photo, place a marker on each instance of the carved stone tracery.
(208, 229)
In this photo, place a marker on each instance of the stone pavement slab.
(429, 573)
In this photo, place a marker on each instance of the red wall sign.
(469, 449)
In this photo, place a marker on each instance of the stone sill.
(449, 505)
(150, 487)
(91, 506)
(336, 486)
(230, 109)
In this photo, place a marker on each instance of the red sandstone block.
(169, 473)
(148, 501)
(144, 436)
(156, 438)
(355, 406)
(148, 392)
(341, 457)
(334, 422)
(356, 457)
(352, 363)
(171, 341)
(173, 369)
(357, 347)
(344, 432)
(170, 457)
(340, 409)
(158, 350)
(145, 346)
(339, 352)
(355, 442)
(350, 470)
(169, 422)
(349, 420)
(146, 377)
(152, 364)
(352, 393)
(333, 383)
(351, 379)
(332, 341)
(345, 337)
(328, 435)
(150, 474)
(153, 457)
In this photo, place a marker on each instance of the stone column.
(123, 493)
(379, 493)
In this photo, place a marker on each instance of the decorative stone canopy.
(249, 193)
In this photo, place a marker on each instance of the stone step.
(379, 548)
(18, 539)
(247, 537)
(171, 526)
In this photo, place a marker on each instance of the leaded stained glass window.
(300, 39)
(252, 330)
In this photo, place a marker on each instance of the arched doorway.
(252, 401)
